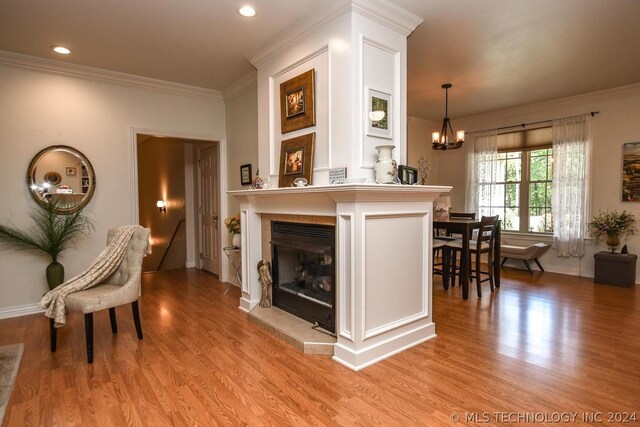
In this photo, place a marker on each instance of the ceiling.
(497, 53)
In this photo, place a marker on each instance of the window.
(519, 189)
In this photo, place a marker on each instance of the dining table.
(465, 228)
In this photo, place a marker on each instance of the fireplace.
(303, 274)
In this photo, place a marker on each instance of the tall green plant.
(51, 234)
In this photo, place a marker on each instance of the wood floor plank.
(543, 343)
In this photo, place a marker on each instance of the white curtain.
(570, 185)
(482, 171)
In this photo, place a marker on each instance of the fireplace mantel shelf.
(352, 192)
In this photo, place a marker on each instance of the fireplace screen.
(304, 271)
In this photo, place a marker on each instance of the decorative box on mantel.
(383, 260)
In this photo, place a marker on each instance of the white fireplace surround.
(383, 260)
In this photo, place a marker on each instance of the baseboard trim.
(20, 310)
(357, 359)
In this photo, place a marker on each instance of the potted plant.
(613, 225)
(51, 234)
(233, 226)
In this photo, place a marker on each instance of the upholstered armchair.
(122, 287)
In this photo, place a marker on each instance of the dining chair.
(484, 243)
(461, 215)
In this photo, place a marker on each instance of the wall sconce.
(162, 205)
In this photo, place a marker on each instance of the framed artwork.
(297, 102)
(245, 174)
(631, 172)
(408, 175)
(70, 171)
(378, 114)
(296, 159)
(53, 178)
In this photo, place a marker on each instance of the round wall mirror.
(63, 175)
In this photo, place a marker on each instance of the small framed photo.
(296, 159)
(297, 102)
(378, 114)
(70, 171)
(337, 175)
(245, 174)
(408, 175)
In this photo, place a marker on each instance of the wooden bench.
(525, 253)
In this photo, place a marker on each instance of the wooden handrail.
(166, 251)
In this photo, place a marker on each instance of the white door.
(209, 209)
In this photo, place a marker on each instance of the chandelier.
(443, 140)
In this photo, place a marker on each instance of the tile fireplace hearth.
(293, 330)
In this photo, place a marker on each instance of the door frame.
(223, 266)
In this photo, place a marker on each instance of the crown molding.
(84, 72)
(421, 121)
(240, 86)
(325, 13)
(383, 12)
(388, 14)
(554, 104)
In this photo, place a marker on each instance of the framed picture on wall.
(296, 159)
(631, 172)
(378, 114)
(71, 171)
(245, 174)
(408, 175)
(297, 102)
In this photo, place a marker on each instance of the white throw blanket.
(102, 267)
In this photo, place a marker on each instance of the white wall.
(616, 124)
(39, 109)
(242, 137)
(419, 144)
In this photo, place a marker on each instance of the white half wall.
(96, 116)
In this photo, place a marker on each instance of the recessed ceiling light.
(61, 50)
(247, 11)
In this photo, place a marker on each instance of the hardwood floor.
(538, 346)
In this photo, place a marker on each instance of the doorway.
(169, 170)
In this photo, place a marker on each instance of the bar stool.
(450, 237)
(441, 269)
(483, 244)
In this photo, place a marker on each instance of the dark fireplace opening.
(303, 275)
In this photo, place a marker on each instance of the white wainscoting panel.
(394, 296)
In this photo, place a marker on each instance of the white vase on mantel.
(386, 169)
